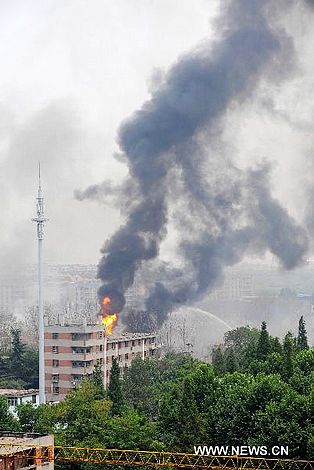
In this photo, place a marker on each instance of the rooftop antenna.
(40, 221)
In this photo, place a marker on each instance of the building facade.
(17, 397)
(72, 351)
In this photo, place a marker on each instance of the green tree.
(275, 345)
(29, 373)
(97, 379)
(242, 342)
(263, 345)
(141, 386)
(183, 408)
(230, 416)
(132, 430)
(302, 336)
(7, 421)
(17, 354)
(230, 361)
(115, 388)
(218, 361)
(303, 375)
(286, 419)
(11, 382)
(288, 349)
(175, 366)
(27, 417)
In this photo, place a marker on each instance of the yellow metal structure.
(149, 459)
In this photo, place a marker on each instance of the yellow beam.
(150, 458)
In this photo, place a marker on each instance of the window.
(100, 348)
(126, 356)
(119, 345)
(78, 350)
(33, 398)
(81, 350)
(55, 378)
(56, 390)
(55, 335)
(12, 401)
(55, 363)
(119, 358)
(78, 336)
(99, 334)
(81, 363)
(133, 343)
(77, 364)
(55, 349)
(77, 377)
(126, 344)
(112, 346)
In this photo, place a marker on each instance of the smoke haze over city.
(216, 164)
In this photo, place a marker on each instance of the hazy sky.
(71, 70)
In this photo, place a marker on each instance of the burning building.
(72, 351)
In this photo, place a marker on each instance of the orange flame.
(108, 320)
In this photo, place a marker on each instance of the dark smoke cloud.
(281, 234)
(162, 143)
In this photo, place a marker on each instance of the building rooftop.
(127, 336)
(11, 392)
(116, 335)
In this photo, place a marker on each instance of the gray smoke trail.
(161, 140)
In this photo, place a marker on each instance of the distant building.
(233, 287)
(17, 397)
(72, 351)
(135, 294)
(28, 451)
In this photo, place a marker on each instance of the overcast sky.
(72, 70)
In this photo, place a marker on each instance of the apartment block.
(72, 351)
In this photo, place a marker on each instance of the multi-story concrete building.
(72, 351)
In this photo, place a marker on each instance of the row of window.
(75, 378)
(86, 336)
(14, 401)
(75, 350)
(81, 363)
(127, 356)
(75, 336)
(87, 349)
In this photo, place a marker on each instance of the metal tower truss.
(140, 458)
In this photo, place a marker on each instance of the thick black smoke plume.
(222, 212)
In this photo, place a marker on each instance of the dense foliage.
(19, 366)
(256, 392)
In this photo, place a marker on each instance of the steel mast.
(40, 221)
